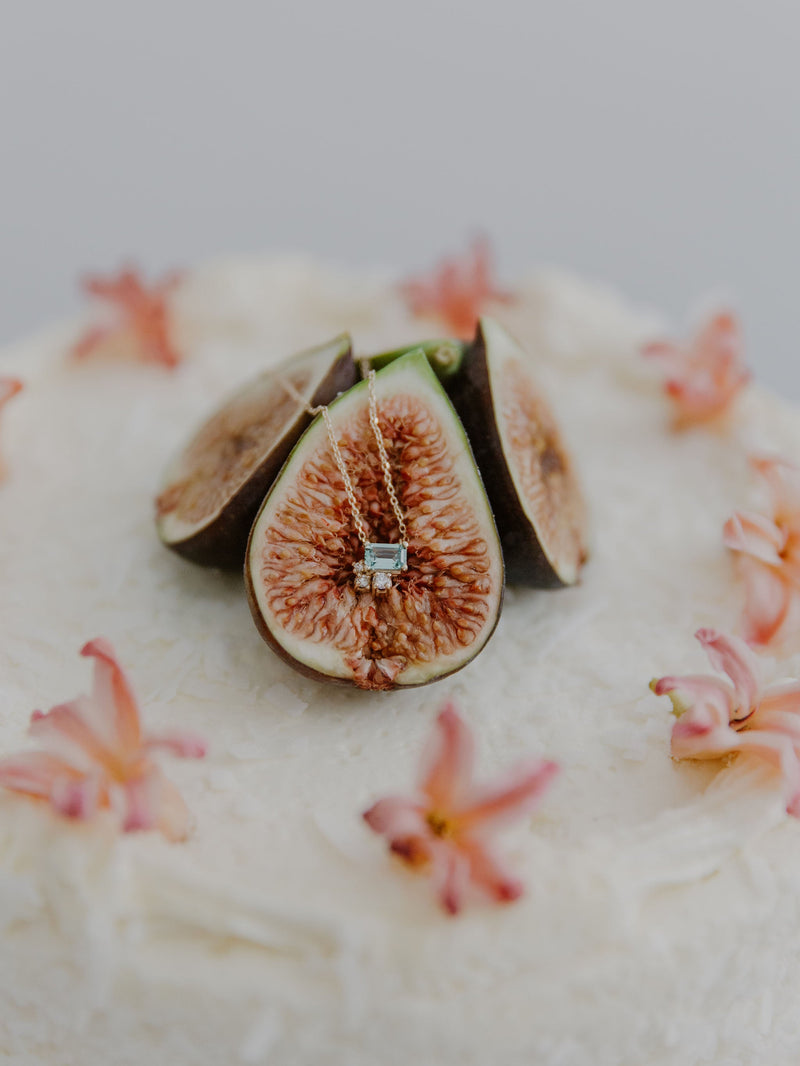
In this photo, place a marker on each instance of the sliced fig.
(444, 355)
(213, 488)
(528, 472)
(302, 566)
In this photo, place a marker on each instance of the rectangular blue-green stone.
(391, 557)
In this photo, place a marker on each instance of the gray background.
(654, 145)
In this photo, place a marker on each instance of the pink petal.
(702, 734)
(450, 759)
(450, 877)
(767, 600)
(77, 798)
(791, 553)
(776, 749)
(40, 774)
(755, 535)
(488, 874)
(33, 772)
(510, 800)
(124, 289)
(141, 800)
(672, 358)
(396, 818)
(9, 387)
(777, 721)
(784, 698)
(174, 819)
(184, 745)
(783, 481)
(90, 341)
(699, 399)
(720, 336)
(65, 727)
(697, 689)
(733, 657)
(113, 695)
(152, 802)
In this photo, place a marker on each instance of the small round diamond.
(381, 582)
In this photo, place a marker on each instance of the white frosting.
(660, 924)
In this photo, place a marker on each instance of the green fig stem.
(444, 355)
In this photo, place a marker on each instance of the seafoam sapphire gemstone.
(391, 557)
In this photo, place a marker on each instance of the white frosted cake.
(660, 920)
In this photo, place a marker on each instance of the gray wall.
(655, 145)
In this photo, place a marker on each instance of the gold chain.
(358, 521)
(387, 470)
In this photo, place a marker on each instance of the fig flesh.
(304, 556)
(444, 355)
(529, 475)
(213, 488)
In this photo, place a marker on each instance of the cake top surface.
(281, 896)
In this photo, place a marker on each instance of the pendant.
(379, 563)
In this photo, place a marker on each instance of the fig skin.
(526, 558)
(298, 570)
(444, 354)
(222, 541)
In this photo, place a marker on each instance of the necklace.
(381, 560)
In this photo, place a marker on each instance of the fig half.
(213, 488)
(528, 472)
(303, 552)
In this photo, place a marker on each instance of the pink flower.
(458, 291)
(716, 717)
(445, 829)
(703, 378)
(141, 318)
(8, 387)
(94, 755)
(768, 550)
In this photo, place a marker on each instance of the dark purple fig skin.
(471, 394)
(223, 542)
